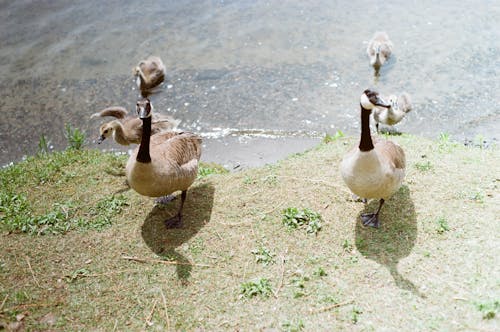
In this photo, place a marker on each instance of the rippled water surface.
(241, 68)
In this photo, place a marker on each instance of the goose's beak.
(100, 139)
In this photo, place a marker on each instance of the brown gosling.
(127, 130)
(163, 163)
(149, 74)
(400, 106)
(374, 168)
(379, 49)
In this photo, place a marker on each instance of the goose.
(374, 168)
(395, 113)
(127, 130)
(379, 49)
(149, 74)
(163, 163)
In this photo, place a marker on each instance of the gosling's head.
(106, 130)
(144, 108)
(371, 99)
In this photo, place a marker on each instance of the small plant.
(197, 246)
(489, 310)
(300, 284)
(206, 169)
(294, 326)
(442, 225)
(355, 315)
(347, 246)
(295, 218)
(263, 255)
(16, 215)
(332, 138)
(75, 137)
(43, 145)
(261, 287)
(320, 272)
(104, 211)
(423, 166)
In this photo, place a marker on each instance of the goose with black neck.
(376, 167)
(163, 163)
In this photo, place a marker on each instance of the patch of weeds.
(320, 272)
(103, 212)
(197, 246)
(2, 267)
(76, 137)
(16, 215)
(444, 143)
(43, 145)
(424, 166)
(263, 256)
(442, 225)
(206, 169)
(329, 299)
(347, 246)
(300, 285)
(270, 179)
(332, 138)
(77, 274)
(260, 287)
(489, 310)
(480, 141)
(249, 180)
(355, 312)
(295, 218)
(293, 326)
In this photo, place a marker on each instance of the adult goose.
(149, 74)
(379, 49)
(400, 106)
(374, 168)
(163, 163)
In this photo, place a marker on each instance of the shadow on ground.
(395, 238)
(163, 241)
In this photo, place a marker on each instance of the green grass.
(76, 138)
(442, 225)
(260, 287)
(206, 169)
(263, 256)
(232, 266)
(295, 218)
(332, 138)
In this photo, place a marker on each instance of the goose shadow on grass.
(395, 238)
(196, 214)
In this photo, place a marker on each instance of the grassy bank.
(278, 247)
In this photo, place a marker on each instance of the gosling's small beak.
(382, 103)
(100, 139)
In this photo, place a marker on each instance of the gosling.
(149, 74)
(400, 106)
(379, 49)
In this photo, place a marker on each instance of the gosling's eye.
(106, 131)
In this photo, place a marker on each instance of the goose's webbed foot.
(370, 219)
(174, 222)
(164, 199)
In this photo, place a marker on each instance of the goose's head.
(105, 131)
(144, 108)
(371, 99)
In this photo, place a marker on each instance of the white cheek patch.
(365, 102)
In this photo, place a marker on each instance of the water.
(246, 71)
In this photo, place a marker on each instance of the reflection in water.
(294, 66)
(395, 238)
(163, 241)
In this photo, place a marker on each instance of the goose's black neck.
(365, 144)
(143, 154)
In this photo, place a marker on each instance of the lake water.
(246, 71)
